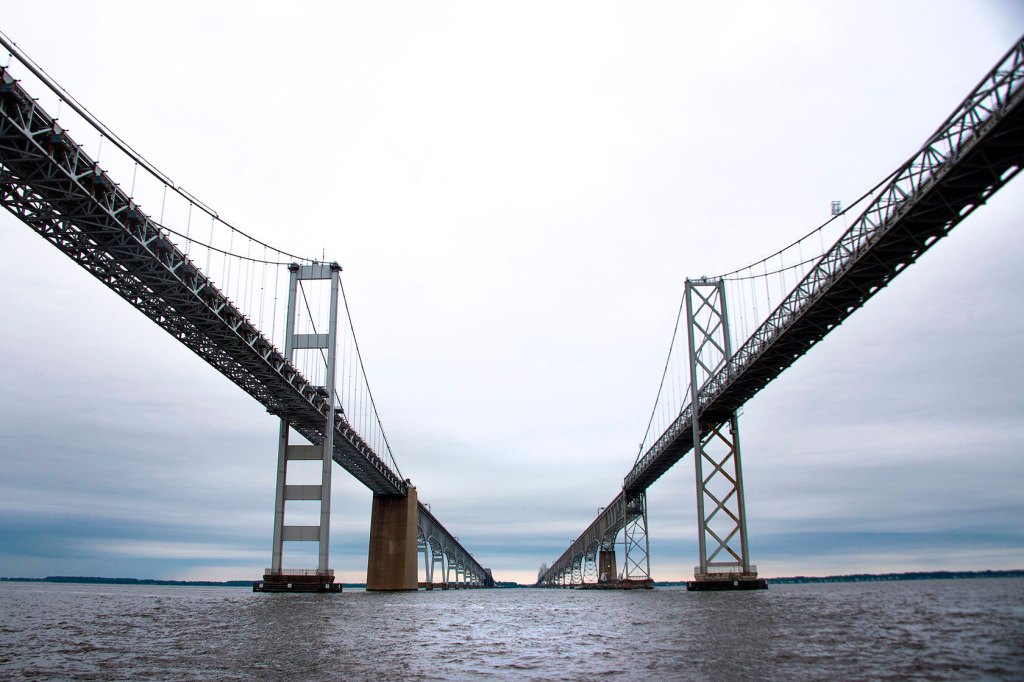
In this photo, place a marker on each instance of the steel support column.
(636, 546)
(721, 510)
(278, 578)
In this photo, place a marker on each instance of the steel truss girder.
(974, 153)
(51, 184)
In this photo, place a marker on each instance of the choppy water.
(950, 630)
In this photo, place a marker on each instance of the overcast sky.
(517, 192)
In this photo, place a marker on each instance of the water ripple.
(928, 630)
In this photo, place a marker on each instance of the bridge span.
(50, 183)
(971, 155)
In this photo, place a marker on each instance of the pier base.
(606, 567)
(392, 564)
(726, 582)
(630, 584)
(298, 581)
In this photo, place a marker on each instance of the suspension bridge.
(806, 290)
(270, 321)
(264, 318)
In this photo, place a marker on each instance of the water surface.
(937, 629)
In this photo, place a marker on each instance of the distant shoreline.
(881, 577)
(919, 575)
(793, 580)
(93, 580)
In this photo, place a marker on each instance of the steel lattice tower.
(721, 509)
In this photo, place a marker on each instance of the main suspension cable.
(127, 149)
(366, 381)
(664, 372)
(816, 230)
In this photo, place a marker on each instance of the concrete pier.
(606, 570)
(297, 580)
(392, 564)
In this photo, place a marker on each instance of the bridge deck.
(976, 151)
(49, 183)
(440, 539)
(943, 192)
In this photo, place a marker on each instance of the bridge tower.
(636, 547)
(320, 579)
(721, 509)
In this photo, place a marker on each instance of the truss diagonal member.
(637, 561)
(718, 469)
(721, 505)
(724, 544)
(724, 477)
